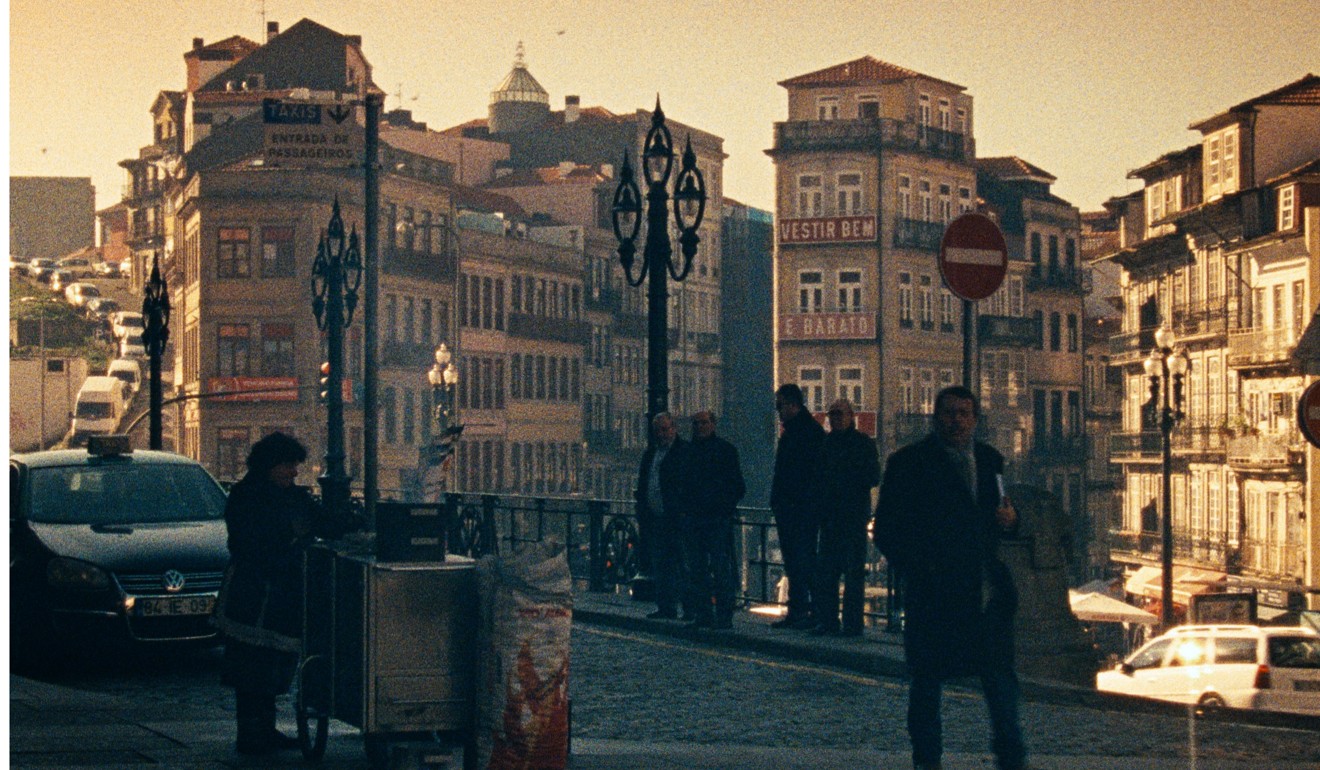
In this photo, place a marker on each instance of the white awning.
(1098, 608)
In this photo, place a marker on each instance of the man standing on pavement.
(795, 501)
(661, 493)
(939, 520)
(850, 469)
(715, 487)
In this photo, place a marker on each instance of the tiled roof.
(1304, 91)
(867, 69)
(1309, 168)
(233, 43)
(527, 177)
(477, 199)
(1013, 167)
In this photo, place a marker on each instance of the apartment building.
(1216, 249)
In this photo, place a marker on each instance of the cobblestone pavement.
(629, 685)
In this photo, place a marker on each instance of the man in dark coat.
(661, 496)
(269, 521)
(850, 469)
(940, 516)
(714, 488)
(795, 501)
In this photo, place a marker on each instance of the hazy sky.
(1085, 90)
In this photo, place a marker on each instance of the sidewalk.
(53, 726)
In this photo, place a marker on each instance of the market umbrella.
(1098, 608)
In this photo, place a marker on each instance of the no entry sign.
(1308, 413)
(973, 256)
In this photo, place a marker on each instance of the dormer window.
(1221, 159)
(868, 107)
(1287, 207)
(827, 108)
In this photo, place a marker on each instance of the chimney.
(198, 44)
(571, 106)
(272, 30)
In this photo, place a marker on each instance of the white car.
(124, 321)
(128, 370)
(79, 293)
(1269, 668)
(131, 346)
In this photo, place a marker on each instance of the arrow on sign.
(339, 113)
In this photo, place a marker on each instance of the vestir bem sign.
(828, 230)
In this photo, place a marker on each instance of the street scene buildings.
(495, 238)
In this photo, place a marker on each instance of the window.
(946, 203)
(232, 258)
(926, 303)
(1070, 254)
(1035, 253)
(946, 121)
(905, 300)
(810, 292)
(1298, 309)
(391, 417)
(850, 291)
(232, 351)
(1280, 310)
(277, 252)
(409, 415)
(849, 379)
(964, 200)
(923, 114)
(907, 398)
(812, 381)
(868, 107)
(926, 391)
(426, 319)
(1055, 331)
(1039, 317)
(1288, 207)
(1072, 333)
(231, 448)
(827, 108)
(923, 193)
(904, 196)
(946, 310)
(849, 192)
(810, 195)
(277, 350)
(1054, 254)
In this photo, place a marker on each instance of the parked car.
(123, 322)
(80, 267)
(79, 293)
(39, 269)
(110, 270)
(127, 370)
(110, 544)
(1270, 668)
(131, 346)
(101, 308)
(60, 280)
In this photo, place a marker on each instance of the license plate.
(157, 606)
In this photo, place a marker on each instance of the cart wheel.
(620, 551)
(313, 706)
(378, 751)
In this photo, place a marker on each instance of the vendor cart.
(389, 648)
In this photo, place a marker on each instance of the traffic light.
(325, 383)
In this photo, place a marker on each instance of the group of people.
(940, 514)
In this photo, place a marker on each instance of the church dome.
(519, 103)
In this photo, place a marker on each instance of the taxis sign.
(310, 134)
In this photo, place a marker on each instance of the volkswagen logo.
(173, 581)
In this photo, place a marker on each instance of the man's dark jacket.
(795, 490)
(944, 545)
(673, 479)
(850, 467)
(716, 481)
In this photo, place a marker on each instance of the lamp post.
(658, 264)
(1166, 368)
(155, 333)
(443, 376)
(336, 277)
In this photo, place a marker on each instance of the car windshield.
(1295, 651)
(93, 410)
(124, 493)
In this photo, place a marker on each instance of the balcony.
(918, 234)
(870, 134)
(601, 441)
(1272, 558)
(407, 355)
(630, 325)
(1200, 320)
(1145, 445)
(1058, 450)
(1135, 543)
(420, 264)
(1268, 452)
(1067, 279)
(1002, 331)
(1131, 347)
(603, 299)
(535, 327)
(1260, 348)
(1199, 438)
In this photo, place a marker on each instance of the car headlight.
(71, 573)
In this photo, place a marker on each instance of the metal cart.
(389, 648)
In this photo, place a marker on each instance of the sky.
(1085, 90)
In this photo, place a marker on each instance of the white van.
(1271, 668)
(128, 370)
(99, 408)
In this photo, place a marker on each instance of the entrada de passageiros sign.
(310, 134)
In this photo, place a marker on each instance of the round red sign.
(973, 256)
(1308, 413)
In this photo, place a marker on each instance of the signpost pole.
(969, 347)
(371, 204)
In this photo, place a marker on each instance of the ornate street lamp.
(336, 277)
(155, 333)
(443, 376)
(1166, 368)
(658, 264)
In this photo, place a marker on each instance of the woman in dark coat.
(270, 520)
